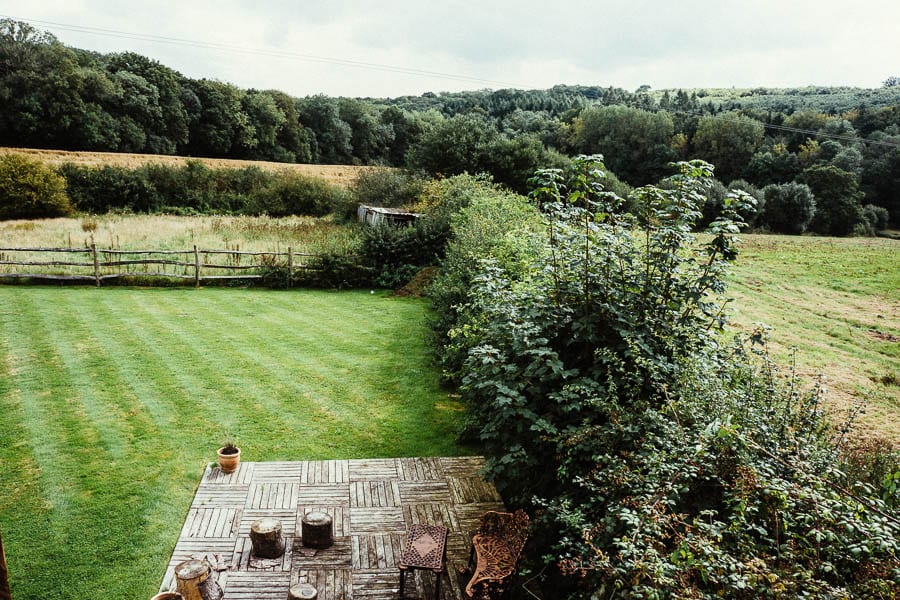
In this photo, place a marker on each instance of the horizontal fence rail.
(101, 264)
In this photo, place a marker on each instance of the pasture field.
(338, 174)
(113, 400)
(837, 302)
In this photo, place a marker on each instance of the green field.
(113, 400)
(837, 301)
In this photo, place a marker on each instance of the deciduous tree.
(728, 141)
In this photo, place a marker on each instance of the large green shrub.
(877, 217)
(293, 194)
(838, 208)
(658, 463)
(789, 208)
(101, 189)
(495, 224)
(29, 190)
(395, 253)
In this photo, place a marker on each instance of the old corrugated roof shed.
(374, 215)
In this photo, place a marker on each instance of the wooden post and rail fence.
(96, 265)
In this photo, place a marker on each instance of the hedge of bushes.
(31, 190)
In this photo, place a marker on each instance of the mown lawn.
(113, 400)
(837, 302)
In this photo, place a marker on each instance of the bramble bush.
(658, 463)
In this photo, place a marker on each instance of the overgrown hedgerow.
(658, 464)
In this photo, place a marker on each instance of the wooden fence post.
(96, 263)
(196, 267)
(5, 594)
(290, 269)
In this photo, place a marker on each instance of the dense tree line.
(54, 96)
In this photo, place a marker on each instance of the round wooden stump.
(265, 535)
(189, 575)
(303, 591)
(317, 530)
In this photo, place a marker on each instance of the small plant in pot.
(229, 457)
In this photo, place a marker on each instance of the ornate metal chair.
(496, 547)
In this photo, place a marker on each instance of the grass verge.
(112, 401)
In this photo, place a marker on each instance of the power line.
(261, 52)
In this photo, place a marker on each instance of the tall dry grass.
(303, 235)
(169, 232)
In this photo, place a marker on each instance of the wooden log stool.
(265, 535)
(194, 581)
(317, 530)
(303, 591)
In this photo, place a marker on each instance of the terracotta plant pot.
(229, 462)
(167, 596)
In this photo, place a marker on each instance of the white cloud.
(528, 43)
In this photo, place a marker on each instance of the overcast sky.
(398, 47)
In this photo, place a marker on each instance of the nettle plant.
(660, 463)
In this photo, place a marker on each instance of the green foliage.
(387, 187)
(638, 141)
(877, 217)
(660, 463)
(454, 146)
(30, 190)
(471, 143)
(330, 135)
(770, 167)
(197, 189)
(99, 190)
(743, 185)
(494, 224)
(728, 140)
(395, 253)
(789, 208)
(293, 194)
(838, 208)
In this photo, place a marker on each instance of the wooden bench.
(496, 548)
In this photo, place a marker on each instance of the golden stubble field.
(337, 174)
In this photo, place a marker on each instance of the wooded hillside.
(825, 138)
